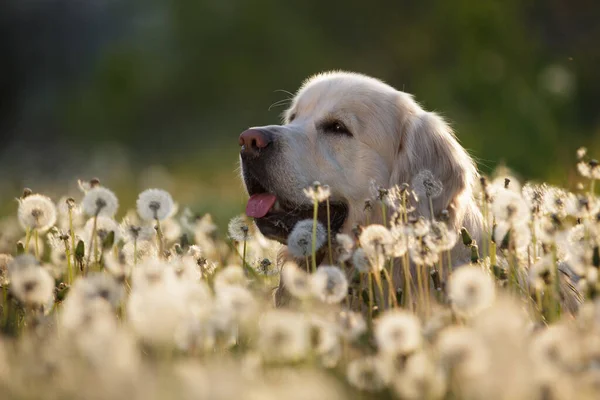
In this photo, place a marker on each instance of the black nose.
(253, 140)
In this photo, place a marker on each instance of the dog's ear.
(426, 142)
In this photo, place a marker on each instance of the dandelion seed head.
(509, 207)
(377, 241)
(134, 232)
(296, 281)
(33, 286)
(330, 284)
(363, 263)
(284, 336)
(369, 373)
(398, 333)
(104, 226)
(462, 350)
(36, 212)
(421, 254)
(345, 245)
(471, 290)
(155, 204)
(351, 324)
(237, 304)
(589, 169)
(419, 227)
(426, 185)
(299, 241)
(421, 378)
(232, 275)
(440, 238)
(317, 192)
(100, 201)
(239, 229)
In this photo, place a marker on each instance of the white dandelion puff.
(104, 226)
(509, 207)
(296, 281)
(462, 350)
(398, 332)
(422, 254)
(421, 378)
(351, 324)
(284, 336)
(36, 212)
(317, 192)
(239, 229)
(440, 238)
(33, 286)
(232, 275)
(300, 239)
(364, 264)
(134, 232)
(369, 374)
(426, 185)
(329, 284)
(376, 241)
(344, 248)
(471, 290)
(155, 204)
(100, 201)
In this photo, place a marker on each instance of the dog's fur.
(391, 140)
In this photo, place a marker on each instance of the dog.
(352, 132)
(348, 130)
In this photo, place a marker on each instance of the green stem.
(159, 236)
(384, 213)
(92, 242)
(37, 245)
(370, 284)
(27, 239)
(244, 252)
(72, 234)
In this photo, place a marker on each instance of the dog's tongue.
(259, 204)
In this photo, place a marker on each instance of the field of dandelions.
(161, 305)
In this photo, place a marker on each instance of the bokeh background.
(154, 93)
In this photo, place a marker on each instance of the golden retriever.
(346, 130)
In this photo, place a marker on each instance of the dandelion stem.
(92, 244)
(556, 306)
(392, 292)
(37, 245)
(72, 235)
(329, 233)
(159, 237)
(27, 239)
(244, 252)
(431, 207)
(314, 236)
(384, 213)
(407, 299)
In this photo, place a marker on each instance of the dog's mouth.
(275, 217)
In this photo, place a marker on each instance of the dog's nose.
(252, 140)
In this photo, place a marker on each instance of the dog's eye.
(336, 127)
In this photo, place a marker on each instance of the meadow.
(160, 305)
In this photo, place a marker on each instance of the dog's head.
(347, 130)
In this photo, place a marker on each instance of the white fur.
(393, 139)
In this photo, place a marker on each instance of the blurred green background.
(154, 93)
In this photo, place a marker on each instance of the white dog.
(345, 130)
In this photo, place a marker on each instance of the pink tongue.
(259, 204)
